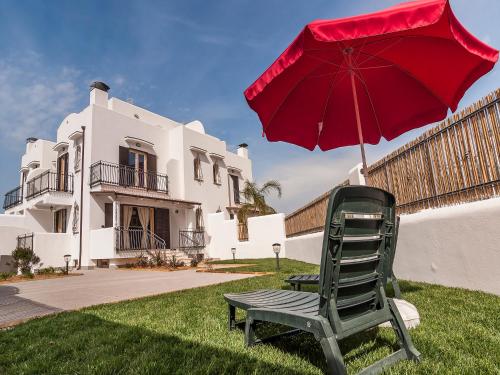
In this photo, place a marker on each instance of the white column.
(355, 175)
(116, 214)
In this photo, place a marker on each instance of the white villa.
(120, 179)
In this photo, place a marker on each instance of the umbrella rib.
(372, 56)
(327, 101)
(411, 76)
(286, 97)
(360, 77)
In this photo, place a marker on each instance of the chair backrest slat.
(359, 233)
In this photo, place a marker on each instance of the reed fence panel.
(455, 162)
(310, 218)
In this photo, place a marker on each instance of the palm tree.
(255, 199)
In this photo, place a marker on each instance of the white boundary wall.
(263, 231)
(455, 246)
(51, 248)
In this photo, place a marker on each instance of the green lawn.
(186, 333)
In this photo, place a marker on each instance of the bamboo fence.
(455, 162)
(309, 218)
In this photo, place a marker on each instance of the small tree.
(24, 259)
(255, 199)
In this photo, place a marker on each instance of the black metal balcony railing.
(191, 239)
(103, 172)
(49, 181)
(135, 238)
(13, 198)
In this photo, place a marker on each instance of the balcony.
(191, 239)
(122, 176)
(49, 181)
(13, 198)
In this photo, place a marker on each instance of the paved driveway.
(24, 300)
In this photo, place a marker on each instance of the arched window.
(198, 174)
(199, 219)
(78, 157)
(76, 218)
(217, 179)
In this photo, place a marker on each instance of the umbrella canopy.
(354, 80)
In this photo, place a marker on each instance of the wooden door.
(162, 224)
(60, 221)
(62, 172)
(236, 189)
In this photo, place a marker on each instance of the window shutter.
(123, 156)
(123, 161)
(151, 176)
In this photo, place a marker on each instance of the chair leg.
(249, 331)
(404, 337)
(231, 317)
(333, 356)
(395, 287)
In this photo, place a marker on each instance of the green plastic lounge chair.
(296, 281)
(358, 237)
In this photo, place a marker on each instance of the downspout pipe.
(82, 170)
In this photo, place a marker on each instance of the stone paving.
(24, 300)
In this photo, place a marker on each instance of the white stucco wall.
(456, 246)
(51, 248)
(102, 243)
(453, 246)
(8, 238)
(263, 231)
(306, 248)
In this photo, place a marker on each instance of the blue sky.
(186, 60)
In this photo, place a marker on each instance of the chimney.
(243, 150)
(99, 94)
(29, 143)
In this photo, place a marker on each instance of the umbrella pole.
(358, 120)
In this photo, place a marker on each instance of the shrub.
(24, 259)
(194, 262)
(142, 261)
(172, 262)
(47, 271)
(6, 275)
(156, 258)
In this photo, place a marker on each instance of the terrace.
(106, 176)
(48, 182)
(13, 198)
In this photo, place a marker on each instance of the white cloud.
(119, 80)
(219, 40)
(303, 179)
(34, 100)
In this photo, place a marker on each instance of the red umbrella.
(354, 80)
